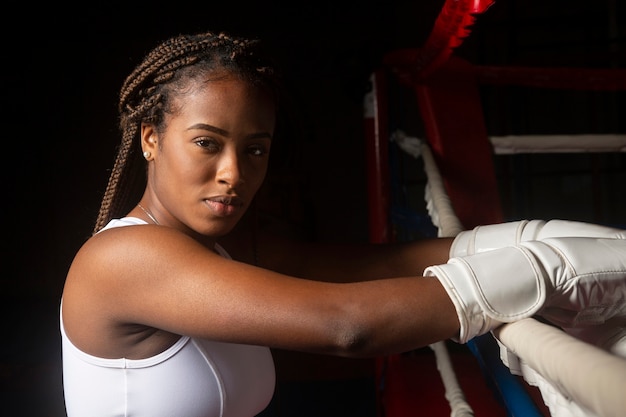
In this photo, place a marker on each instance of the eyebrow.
(222, 132)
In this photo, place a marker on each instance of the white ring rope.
(575, 378)
(440, 211)
(512, 144)
(459, 407)
(553, 361)
(437, 201)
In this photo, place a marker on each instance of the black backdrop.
(63, 69)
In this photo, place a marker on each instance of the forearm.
(398, 315)
(430, 318)
(353, 262)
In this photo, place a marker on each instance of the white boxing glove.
(609, 336)
(494, 236)
(573, 281)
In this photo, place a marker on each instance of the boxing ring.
(532, 368)
(546, 357)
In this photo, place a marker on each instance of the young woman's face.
(212, 157)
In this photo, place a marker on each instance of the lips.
(227, 200)
(224, 205)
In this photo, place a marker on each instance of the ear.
(148, 139)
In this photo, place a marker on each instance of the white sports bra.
(192, 378)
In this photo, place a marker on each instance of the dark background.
(63, 69)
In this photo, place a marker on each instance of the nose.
(229, 171)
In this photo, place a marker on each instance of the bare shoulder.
(135, 240)
(111, 257)
(119, 282)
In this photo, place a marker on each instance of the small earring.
(147, 154)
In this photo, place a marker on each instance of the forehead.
(226, 99)
(221, 84)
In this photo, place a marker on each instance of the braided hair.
(147, 95)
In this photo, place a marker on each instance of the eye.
(211, 145)
(258, 150)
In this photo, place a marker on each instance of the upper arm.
(161, 278)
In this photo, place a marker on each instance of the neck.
(148, 213)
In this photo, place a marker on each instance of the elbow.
(353, 336)
(352, 343)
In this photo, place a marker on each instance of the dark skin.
(132, 291)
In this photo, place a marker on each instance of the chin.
(220, 230)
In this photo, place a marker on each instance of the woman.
(158, 320)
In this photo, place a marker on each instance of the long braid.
(147, 93)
